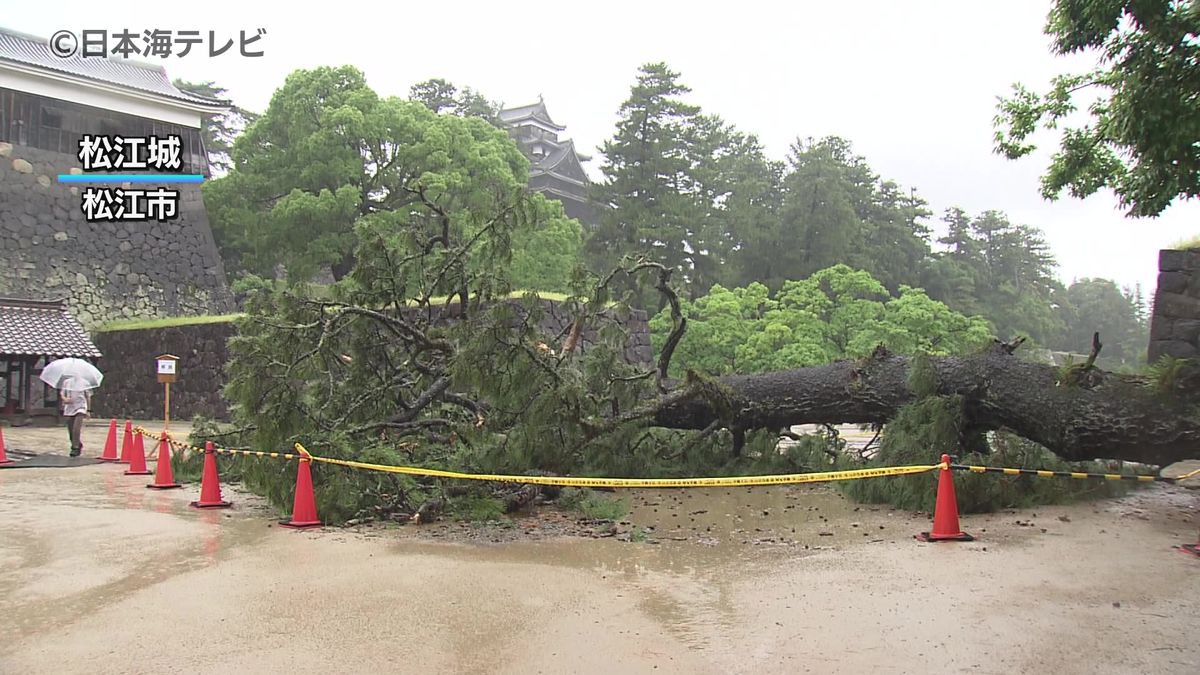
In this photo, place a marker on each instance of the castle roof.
(563, 153)
(533, 111)
(29, 52)
(41, 328)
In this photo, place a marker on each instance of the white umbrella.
(84, 374)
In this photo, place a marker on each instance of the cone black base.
(1194, 549)
(299, 526)
(961, 536)
(139, 473)
(168, 486)
(216, 505)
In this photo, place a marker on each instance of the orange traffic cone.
(110, 444)
(945, 512)
(210, 483)
(127, 444)
(304, 507)
(164, 476)
(3, 453)
(137, 458)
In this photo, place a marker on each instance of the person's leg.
(77, 435)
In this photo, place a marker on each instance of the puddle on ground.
(700, 547)
(690, 554)
(95, 536)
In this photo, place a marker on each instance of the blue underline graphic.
(131, 178)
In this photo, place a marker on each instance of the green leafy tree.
(684, 189)
(441, 96)
(1090, 305)
(718, 324)
(760, 241)
(218, 131)
(330, 154)
(646, 169)
(896, 240)
(836, 313)
(996, 269)
(545, 257)
(819, 205)
(418, 343)
(1142, 134)
(836, 210)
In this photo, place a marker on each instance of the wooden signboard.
(166, 368)
(167, 372)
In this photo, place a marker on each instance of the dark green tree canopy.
(1090, 305)
(1142, 135)
(441, 96)
(418, 354)
(683, 188)
(330, 155)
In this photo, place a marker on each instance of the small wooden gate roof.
(42, 328)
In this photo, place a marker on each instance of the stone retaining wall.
(131, 389)
(106, 271)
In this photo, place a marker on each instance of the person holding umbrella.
(76, 402)
(75, 379)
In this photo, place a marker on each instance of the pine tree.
(646, 169)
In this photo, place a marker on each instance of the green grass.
(591, 505)
(1187, 244)
(477, 509)
(169, 322)
(143, 324)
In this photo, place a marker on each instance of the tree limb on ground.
(1110, 417)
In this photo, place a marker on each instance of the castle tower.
(106, 270)
(556, 166)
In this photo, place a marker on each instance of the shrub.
(591, 505)
(477, 508)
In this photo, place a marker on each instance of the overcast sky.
(912, 84)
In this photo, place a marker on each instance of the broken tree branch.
(1122, 417)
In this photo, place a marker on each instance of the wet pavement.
(48, 440)
(100, 575)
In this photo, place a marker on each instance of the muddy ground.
(100, 575)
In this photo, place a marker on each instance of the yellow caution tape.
(1042, 473)
(734, 481)
(569, 481)
(224, 451)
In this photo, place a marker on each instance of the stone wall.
(106, 271)
(131, 388)
(1175, 321)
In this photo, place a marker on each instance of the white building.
(47, 102)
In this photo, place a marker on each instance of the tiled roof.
(555, 158)
(536, 111)
(35, 328)
(33, 51)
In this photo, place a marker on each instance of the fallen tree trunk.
(1092, 415)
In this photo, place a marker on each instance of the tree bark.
(1097, 415)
